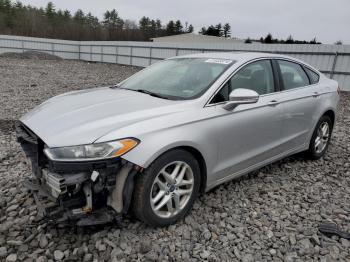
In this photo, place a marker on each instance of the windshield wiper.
(141, 91)
(114, 86)
(151, 93)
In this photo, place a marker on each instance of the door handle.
(273, 103)
(316, 94)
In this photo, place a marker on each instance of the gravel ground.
(269, 215)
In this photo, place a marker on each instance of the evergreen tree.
(227, 30)
(7, 10)
(115, 20)
(5, 6)
(289, 40)
(144, 23)
(170, 28)
(92, 21)
(248, 41)
(153, 27)
(50, 10)
(219, 30)
(313, 41)
(212, 30)
(158, 25)
(113, 24)
(79, 16)
(339, 42)
(66, 15)
(178, 27)
(268, 39)
(203, 30)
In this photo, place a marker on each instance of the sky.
(327, 20)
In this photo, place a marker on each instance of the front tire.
(166, 190)
(320, 138)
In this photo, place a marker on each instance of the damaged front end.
(88, 192)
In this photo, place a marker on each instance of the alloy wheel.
(321, 140)
(172, 189)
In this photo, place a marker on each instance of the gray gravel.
(269, 215)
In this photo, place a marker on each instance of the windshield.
(180, 78)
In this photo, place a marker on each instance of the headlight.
(91, 152)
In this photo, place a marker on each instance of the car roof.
(242, 57)
(237, 56)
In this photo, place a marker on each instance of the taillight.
(338, 90)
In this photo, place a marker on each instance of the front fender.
(155, 144)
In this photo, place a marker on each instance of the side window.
(257, 76)
(293, 75)
(314, 77)
(222, 95)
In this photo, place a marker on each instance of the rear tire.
(166, 190)
(320, 138)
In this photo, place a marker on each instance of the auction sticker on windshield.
(219, 61)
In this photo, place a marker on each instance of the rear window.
(314, 77)
(293, 75)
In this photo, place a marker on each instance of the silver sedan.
(154, 142)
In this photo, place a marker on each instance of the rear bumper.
(76, 191)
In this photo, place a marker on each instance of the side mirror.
(241, 96)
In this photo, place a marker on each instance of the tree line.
(49, 22)
(268, 39)
(26, 20)
(217, 30)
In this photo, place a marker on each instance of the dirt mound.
(31, 55)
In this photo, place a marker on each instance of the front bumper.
(55, 212)
(83, 192)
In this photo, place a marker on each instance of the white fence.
(333, 60)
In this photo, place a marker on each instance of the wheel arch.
(128, 188)
(194, 151)
(202, 164)
(331, 115)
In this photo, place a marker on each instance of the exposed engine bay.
(87, 193)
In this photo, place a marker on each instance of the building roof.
(232, 55)
(191, 37)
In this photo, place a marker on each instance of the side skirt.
(257, 166)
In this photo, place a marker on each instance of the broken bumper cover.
(84, 197)
(50, 209)
(92, 192)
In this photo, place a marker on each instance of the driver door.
(251, 134)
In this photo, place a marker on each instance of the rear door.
(300, 99)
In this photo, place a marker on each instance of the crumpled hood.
(81, 117)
